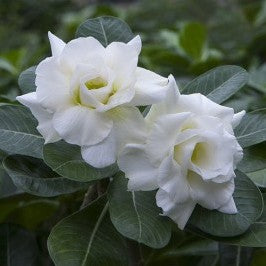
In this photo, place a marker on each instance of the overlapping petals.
(190, 154)
(86, 95)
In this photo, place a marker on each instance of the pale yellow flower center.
(96, 83)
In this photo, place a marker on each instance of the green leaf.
(32, 175)
(105, 30)
(218, 84)
(249, 204)
(258, 177)
(87, 237)
(254, 158)
(258, 78)
(18, 134)
(65, 159)
(17, 246)
(7, 187)
(192, 39)
(26, 80)
(136, 216)
(252, 128)
(234, 255)
(31, 214)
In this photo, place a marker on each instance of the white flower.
(190, 154)
(87, 95)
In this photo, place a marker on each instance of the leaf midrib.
(94, 231)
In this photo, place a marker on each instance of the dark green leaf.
(234, 255)
(192, 39)
(105, 30)
(17, 246)
(26, 80)
(254, 158)
(249, 204)
(252, 128)
(258, 177)
(87, 237)
(219, 83)
(136, 216)
(33, 176)
(66, 160)
(18, 134)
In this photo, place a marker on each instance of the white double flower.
(86, 94)
(185, 147)
(189, 153)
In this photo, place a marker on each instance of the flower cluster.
(185, 146)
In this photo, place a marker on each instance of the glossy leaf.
(26, 80)
(17, 246)
(234, 255)
(33, 176)
(258, 177)
(254, 158)
(87, 237)
(218, 84)
(18, 134)
(136, 216)
(105, 30)
(252, 128)
(249, 204)
(66, 160)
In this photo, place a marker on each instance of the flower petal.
(57, 45)
(52, 85)
(168, 105)
(136, 44)
(133, 161)
(102, 154)
(229, 207)
(81, 50)
(82, 126)
(44, 117)
(209, 194)
(178, 212)
(150, 87)
(237, 118)
(163, 135)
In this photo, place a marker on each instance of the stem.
(134, 253)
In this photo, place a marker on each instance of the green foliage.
(88, 238)
(105, 30)
(65, 159)
(200, 43)
(18, 132)
(249, 204)
(33, 176)
(136, 216)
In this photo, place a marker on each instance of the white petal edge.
(45, 126)
(133, 161)
(82, 126)
(102, 154)
(57, 45)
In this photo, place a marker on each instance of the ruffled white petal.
(141, 173)
(209, 194)
(163, 135)
(168, 105)
(52, 85)
(178, 212)
(150, 87)
(57, 45)
(79, 51)
(237, 118)
(229, 207)
(82, 126)
(45, 126)
(102, 154)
